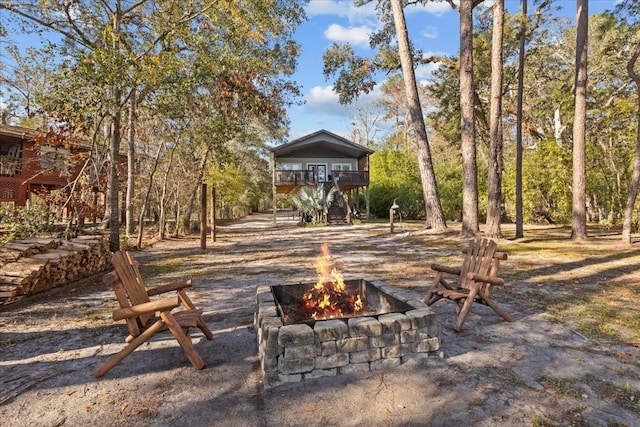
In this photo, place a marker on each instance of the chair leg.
(491, 303)
(465, 309)
(201, 324)
(456, 305)
(135, 343)
(183, 339)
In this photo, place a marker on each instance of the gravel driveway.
(531, 372)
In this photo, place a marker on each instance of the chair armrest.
(485, 279)
(146, 308)
(169, 287)
(446, 269)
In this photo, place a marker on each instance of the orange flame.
(329, 297)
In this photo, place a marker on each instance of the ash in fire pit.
(335, 327)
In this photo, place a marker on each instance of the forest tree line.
(502, 124)
(197, 92)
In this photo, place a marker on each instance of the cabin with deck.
(328, 159)
(29, 167)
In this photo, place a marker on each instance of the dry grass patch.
(589, 285)
(567, 387)
(626, 395)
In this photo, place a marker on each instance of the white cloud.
(321, 95)
(342, 8)
(437, 8)
(323, 100)
(430, 32)
(357, 36)
(346, 9)
(424, 71)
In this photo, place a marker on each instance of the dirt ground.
(532, 372)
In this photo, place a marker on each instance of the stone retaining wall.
(294, 352)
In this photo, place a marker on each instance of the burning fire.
(330, 298)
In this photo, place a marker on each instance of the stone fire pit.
(401, 327)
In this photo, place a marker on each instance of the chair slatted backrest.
(133, 284)
(114, 281)
(479, 259)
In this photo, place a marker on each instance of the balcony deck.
(288, 181)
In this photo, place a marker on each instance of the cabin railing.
(10, 165)
(287, 177)
(306, 177)
(351, 177)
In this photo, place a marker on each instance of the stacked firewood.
(34, 265)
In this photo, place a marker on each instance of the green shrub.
(23, 222)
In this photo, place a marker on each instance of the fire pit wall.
(293, 353)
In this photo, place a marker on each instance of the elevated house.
(323, 158)
(30, 167)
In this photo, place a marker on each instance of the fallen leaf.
(475, 400)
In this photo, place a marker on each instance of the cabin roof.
(324, 141)
(9, 132)
(17, 132)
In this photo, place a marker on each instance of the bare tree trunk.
(558, 127)
(143, 208)
(519, 120)
(176, 232)
(435, 216)
(495, 145)
(468, 145)
(114, 181)
(579, 208)
(114, 147)
(162, 220)
(633, 193)
(131, 158)
(163, 196)
(194, 193)
(107, 126)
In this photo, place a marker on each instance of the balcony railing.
(284, 177)
(351, 177)
(307, 177)
(10, 165)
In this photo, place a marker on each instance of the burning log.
(330, 298)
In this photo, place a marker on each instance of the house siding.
(305, 161)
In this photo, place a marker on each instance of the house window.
(12, 150)
(291, 166)
(341, 167)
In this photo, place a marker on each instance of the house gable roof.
(321, 144)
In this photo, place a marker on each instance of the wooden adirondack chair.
(476, 279)
(138, 311)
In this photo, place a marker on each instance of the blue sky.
(432, 28)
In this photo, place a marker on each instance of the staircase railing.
(342, 201)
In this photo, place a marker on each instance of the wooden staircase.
(339, 212)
